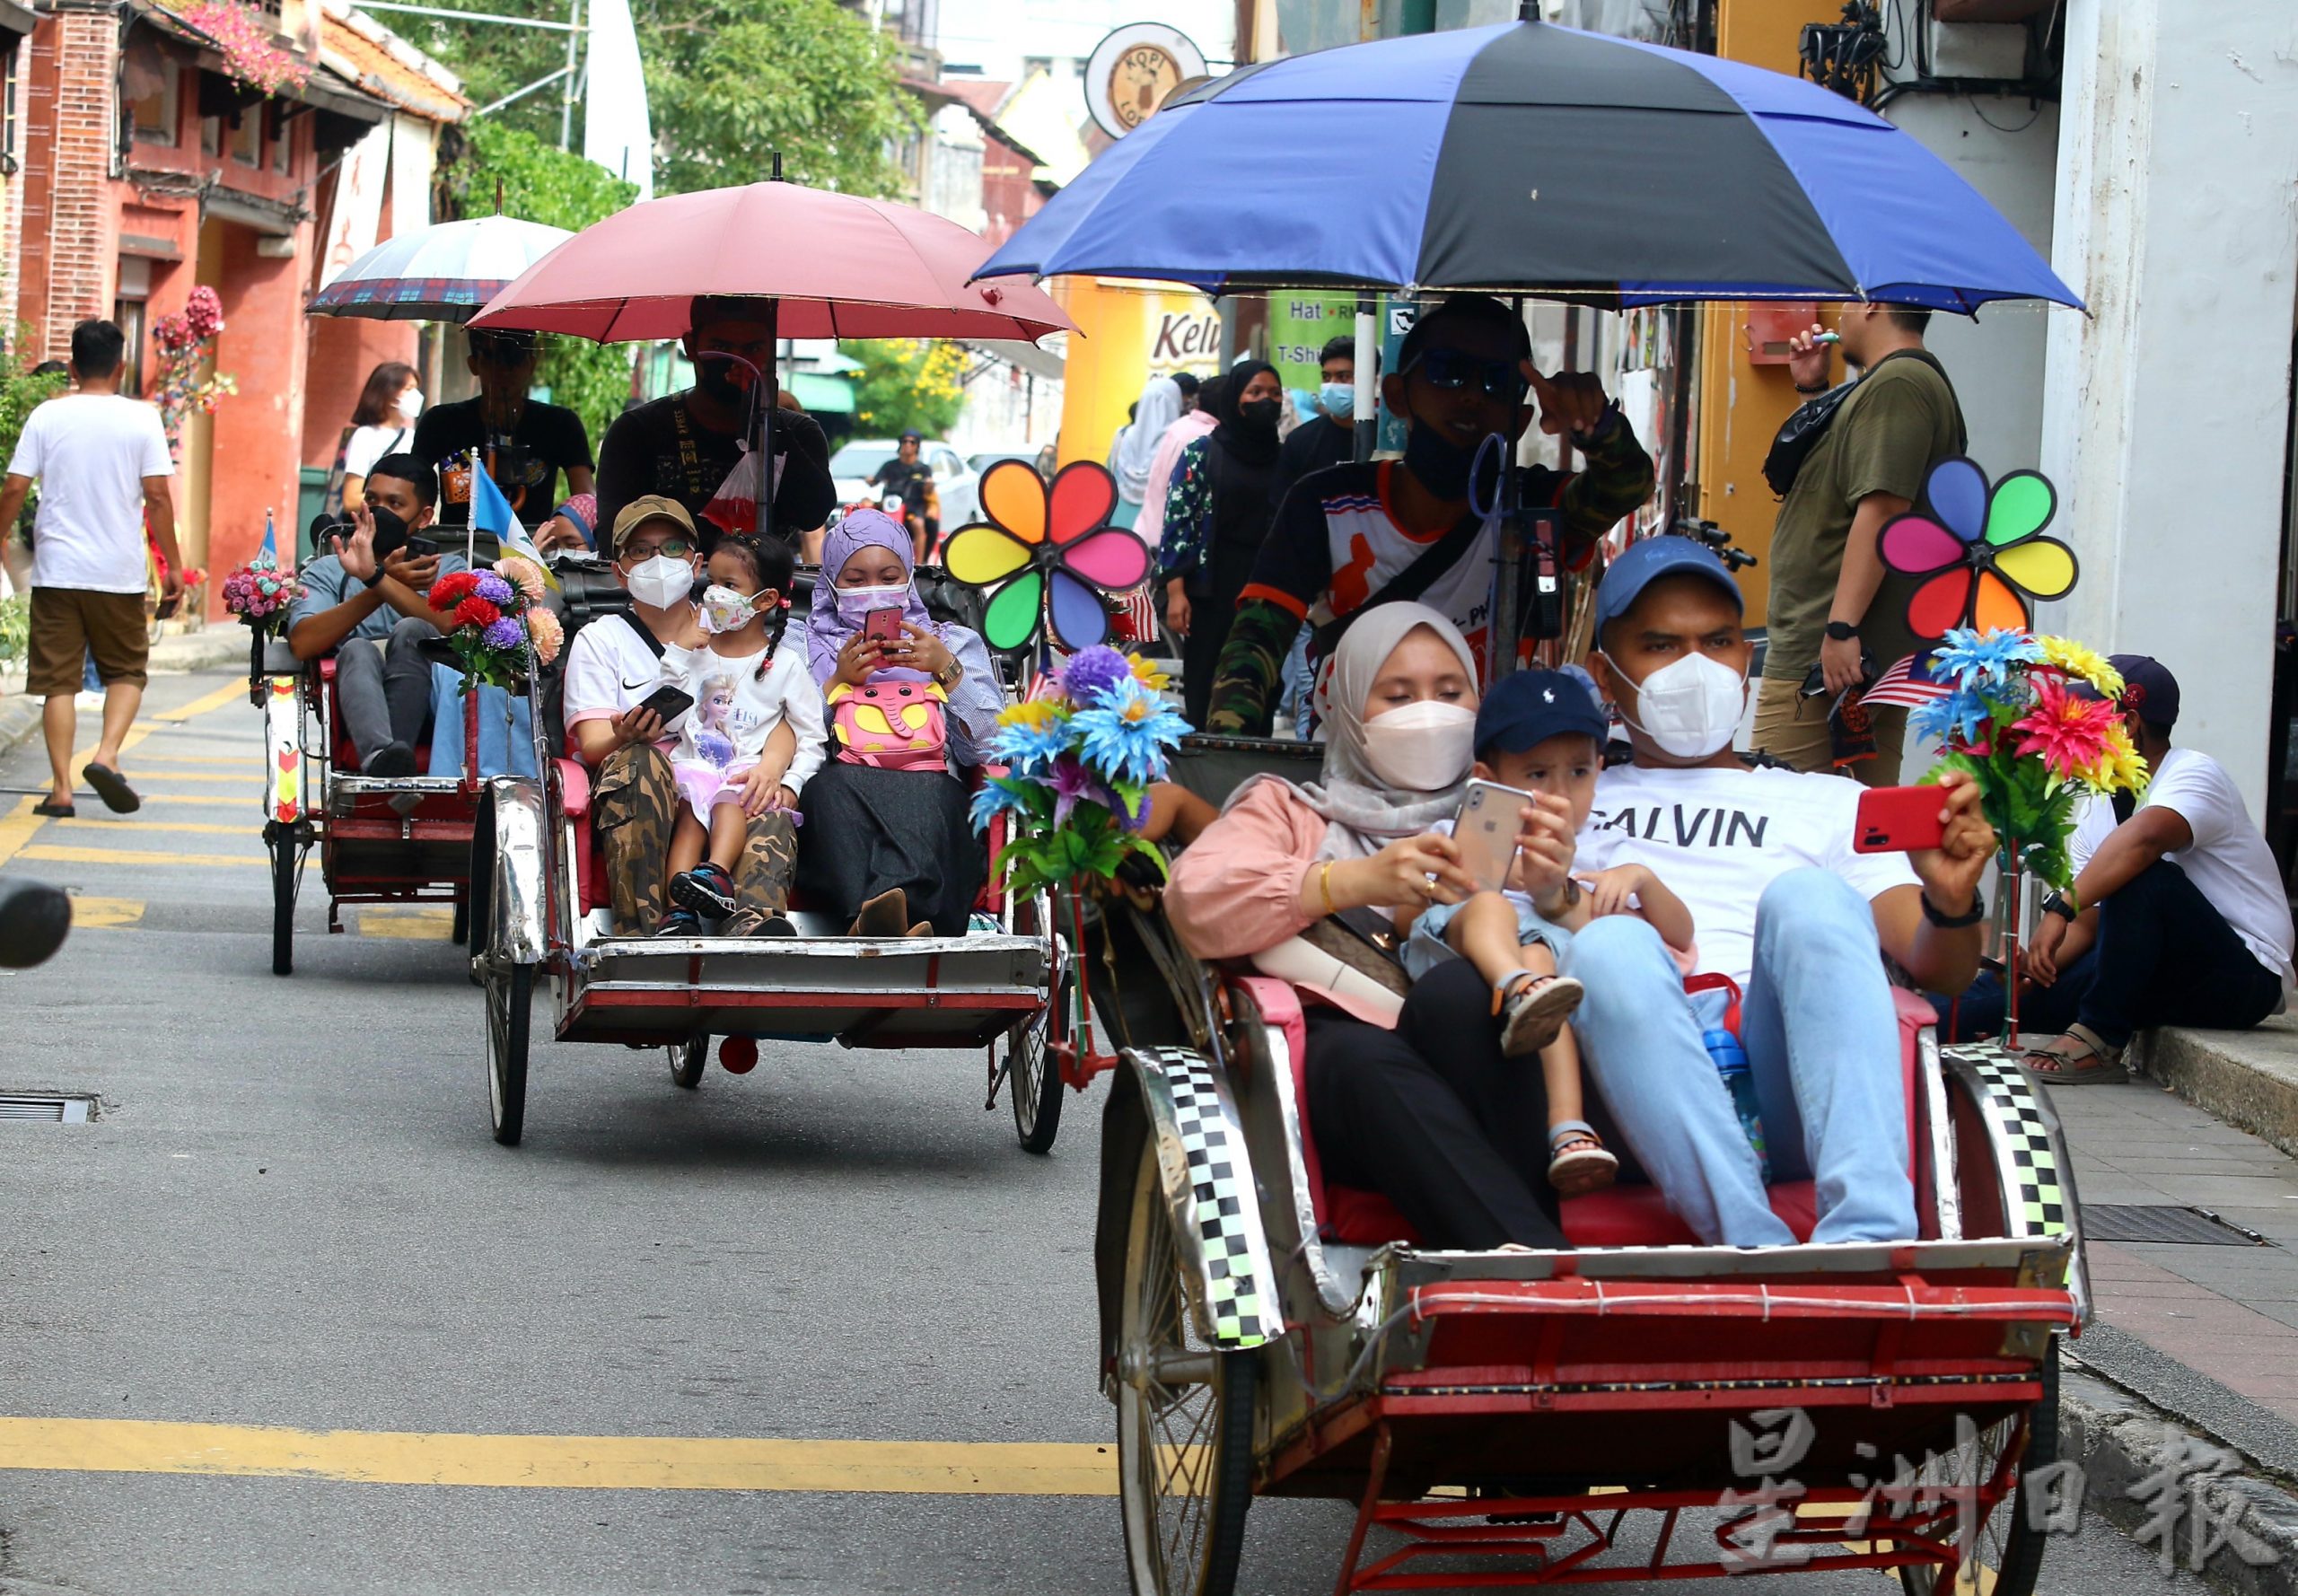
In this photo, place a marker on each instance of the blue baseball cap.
(1644, 562)
(1525, 709)
(2148, 688)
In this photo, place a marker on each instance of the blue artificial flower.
(1029, 746)
(1973, 661)
(996, 796)
(1958, 718)
(506, 633)
(1092, 671)
(1127, 733)
(494, 589)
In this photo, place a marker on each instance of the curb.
(203, 650)
(2127, 1448)
(19, 720)
(2247, 1078)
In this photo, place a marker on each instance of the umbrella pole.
(1367, 430)
(1508, 576)
(766, 417)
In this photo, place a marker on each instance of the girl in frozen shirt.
(754, 738)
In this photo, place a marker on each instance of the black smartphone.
(668, 702)
(420, 547)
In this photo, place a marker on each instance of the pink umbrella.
(838, 267)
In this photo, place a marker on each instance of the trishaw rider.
(684, 446)
(1763, 858)
(612, 666)
(1361, 534)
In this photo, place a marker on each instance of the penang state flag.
(491, 511)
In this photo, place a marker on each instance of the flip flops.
(111, 787)
(54, 810)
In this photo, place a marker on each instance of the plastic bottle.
(1739, 1080)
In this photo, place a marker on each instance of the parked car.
(982, 462)
(956, 482)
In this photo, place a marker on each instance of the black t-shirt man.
(661, 447)
(547, 441)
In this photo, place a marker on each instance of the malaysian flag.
(1907, 684)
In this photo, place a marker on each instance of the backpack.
(892, 725)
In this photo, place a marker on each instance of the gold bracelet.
(1324, 888)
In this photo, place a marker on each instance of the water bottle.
(1732, 1064)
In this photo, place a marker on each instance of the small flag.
(491, 511)
(270, 554)
(1907, 684)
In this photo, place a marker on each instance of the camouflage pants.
(635, 806)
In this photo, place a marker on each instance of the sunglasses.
(1451, 370)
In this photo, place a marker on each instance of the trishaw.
(540, 915)
(1532, 1418)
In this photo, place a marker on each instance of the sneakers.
(705, 890)
(393, 759)
(749, 922)
(678, 922)
(1534, 1011)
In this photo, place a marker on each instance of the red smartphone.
(1895, 819)
(883, 624)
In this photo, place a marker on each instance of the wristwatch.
(1822, 388)
(1947, 922)
(948, 675)
(1842, 631)
(2056, 903)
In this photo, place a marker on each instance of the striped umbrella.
(444, 273)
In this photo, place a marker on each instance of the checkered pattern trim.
(2017, 1119)
(1237, 1300)
(401, 291)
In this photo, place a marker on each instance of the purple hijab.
(826, 629)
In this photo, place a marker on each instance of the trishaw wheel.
(461, 935)
(510, 994)
(2010, 1550)
(1033, 1075)
(1184, 1419)
(687, 1061)
(283, 862)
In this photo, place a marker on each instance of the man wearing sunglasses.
(523, 443)
(684, 446)
(1364, 533)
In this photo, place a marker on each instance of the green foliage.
(19, 390)
(543, 183)
(728, 81)
(15, 626)
(906, 383)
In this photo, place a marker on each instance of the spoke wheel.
(1184, 1420)
(1033, 1085)
(286, 871)
(687, 1061)
(510, 995)
(2008, 1553)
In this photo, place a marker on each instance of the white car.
(955, 483)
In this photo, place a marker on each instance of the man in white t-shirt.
(2178, 917)
(1779, 903)
(102, 463)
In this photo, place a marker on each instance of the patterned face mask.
(726, 610)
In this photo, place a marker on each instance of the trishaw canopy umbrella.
(1530, 158)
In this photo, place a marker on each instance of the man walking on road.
(1832, 602)
(102, 464)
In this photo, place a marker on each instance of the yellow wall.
(1741, 404)
(1126, 334)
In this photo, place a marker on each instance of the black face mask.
(1259, 416)
(720, 379)
(1442, 465)
(390, 532)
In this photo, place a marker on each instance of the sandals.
(51, 809)
(1533, 1011)
(1577, 1162)
(112, 788)
(2091, 1062)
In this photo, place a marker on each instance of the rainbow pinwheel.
(1053, 550)
(1982, 551)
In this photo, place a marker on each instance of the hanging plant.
(243, 38)
(184, 343)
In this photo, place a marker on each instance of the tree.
(542, 183)
(906, 383)
(729, 82)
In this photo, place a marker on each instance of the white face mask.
(726, 610)
(410, 404)
(1689, 706)
(1424, 747)
(661, 581)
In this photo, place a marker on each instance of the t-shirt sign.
(1717, 838)
(90, 454)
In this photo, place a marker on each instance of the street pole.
(1367, 430)
(566, 86)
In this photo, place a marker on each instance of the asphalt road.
(288, 1212)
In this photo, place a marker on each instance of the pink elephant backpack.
(894, 725)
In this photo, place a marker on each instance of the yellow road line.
(137, 856)
(251, 775)
(104, 914)
(16, 828)
(416, 924)
(97, 823)
(237, 693)
(254, 761)
(597, 1462)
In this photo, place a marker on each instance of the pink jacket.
(1150, 526)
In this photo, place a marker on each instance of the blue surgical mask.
(1338, 399)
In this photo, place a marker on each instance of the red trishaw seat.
(1618, 1217)
(345, 752)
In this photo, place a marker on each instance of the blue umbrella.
(1531, 159)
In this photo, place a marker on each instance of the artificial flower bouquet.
(260, 592)
(495, 623)
(2011, 722)
(1080, 754)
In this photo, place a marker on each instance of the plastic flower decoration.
(1080, 757)
(490, 625)
(1973, 662)
(1981, 549)
(2068, 733)
(1050, 552)
(1961, 716)
(2075, 659)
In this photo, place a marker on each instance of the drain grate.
(2163, 1223)
(47, 1107)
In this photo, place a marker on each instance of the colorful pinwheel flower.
(1050, 552)
(1981, 549)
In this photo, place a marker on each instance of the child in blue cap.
(1542, 732)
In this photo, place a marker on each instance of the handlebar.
(1716, 539)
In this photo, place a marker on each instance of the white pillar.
(2167, 412)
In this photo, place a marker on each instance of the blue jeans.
(1822, 1040)
(1299, 684)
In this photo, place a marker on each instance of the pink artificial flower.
(544, 633)
(2070, 733)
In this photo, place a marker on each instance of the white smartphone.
(1486, 830)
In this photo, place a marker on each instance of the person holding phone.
(367, 602)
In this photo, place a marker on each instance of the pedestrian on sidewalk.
(1216, 519)
(102, 463)
(1834, 608)
(2178, 916)
(382, 423)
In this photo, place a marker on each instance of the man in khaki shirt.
(1831, 598)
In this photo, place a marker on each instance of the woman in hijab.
(1417, 1104)
(887, 840)
(1216, 514)
(1159, 407)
